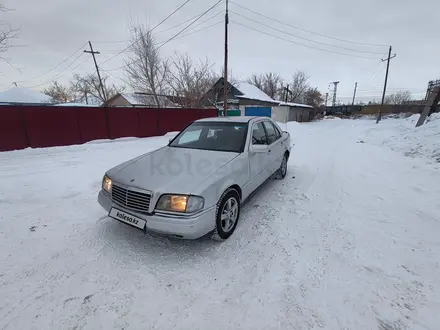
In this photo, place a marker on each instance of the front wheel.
(228, 213)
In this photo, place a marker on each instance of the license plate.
(127, 218)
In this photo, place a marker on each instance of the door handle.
(269, 150)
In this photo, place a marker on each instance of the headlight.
(107, 184)
(180, 203)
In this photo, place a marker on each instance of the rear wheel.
(228, 213)
(282, 171)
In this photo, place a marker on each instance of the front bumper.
(191, 227)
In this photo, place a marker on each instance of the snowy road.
(352, 242)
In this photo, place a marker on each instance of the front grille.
(131, 199)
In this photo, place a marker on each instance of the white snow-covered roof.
(91, 100)
(146, 100)
(133, 98)
(298, 105)
(253, 93)
(75, 104)
(23, 95)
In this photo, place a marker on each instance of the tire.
(223, 231)
(282, 171)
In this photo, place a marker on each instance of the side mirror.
(259, 148)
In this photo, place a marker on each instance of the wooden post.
(433, 100)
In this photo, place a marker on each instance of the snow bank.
(433, 117)
(401, 135)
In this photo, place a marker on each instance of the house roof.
(91, 100)
(252, 92)
(146, 100)
(297, 105)
(75, 104)
(23, 95)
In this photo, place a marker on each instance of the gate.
(258, 111)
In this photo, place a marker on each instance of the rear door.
(276, 147)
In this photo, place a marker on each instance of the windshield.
(216, 136)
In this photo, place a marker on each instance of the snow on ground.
(349, 240)
(402, 135)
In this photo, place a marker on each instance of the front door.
(259, 162)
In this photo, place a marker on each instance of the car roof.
(233, 119)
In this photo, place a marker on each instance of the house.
(288, 111)
(246, 99)
(139, 100)
(22, 95)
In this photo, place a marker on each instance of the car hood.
(170, 170)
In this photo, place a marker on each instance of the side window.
(258, 134)
(272, 132)
(277, 132)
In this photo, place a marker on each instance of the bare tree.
(59, 93)
(313, 97)
(89, 84)
(257, 80)
(189, 81)
(146, 70)
(270, 83)
(298, 87)
(398, 98)
(7, 33)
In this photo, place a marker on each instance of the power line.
(305, 30)
(58, 75)
(161, 31)
(178, 34)
(188, 20)
(186, 34)
(305, 45)
(307, 39)
(157, 25)
(63, 73)
(179, 37)
(55, 67)
(189, 25)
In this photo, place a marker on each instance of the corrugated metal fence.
(48, 126)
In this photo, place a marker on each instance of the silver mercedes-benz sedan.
(195, 185)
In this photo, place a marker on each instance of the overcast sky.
(52, 30)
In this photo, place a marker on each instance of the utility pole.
(354, 93)
(335, 89)
(107, 121)
(91, 51)
(379, 116)
(225, 77)
(326, 99)
(287, 93)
